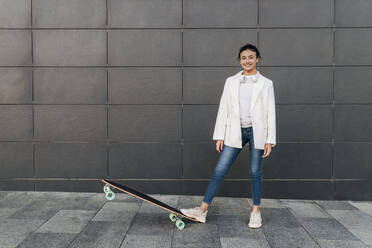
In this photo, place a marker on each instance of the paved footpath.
(60, 219)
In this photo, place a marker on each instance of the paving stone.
(282, 229)
(364, 234)
(19, 225)
(355, 221)
(117, 211)
(277, 218)
(83, 202)
(101, 234)
(148, 223)
(13, 231)
(365, 207)
(302, 209)
(39, 194)
(198, 235)
(3, 194)
(16, 199)
(46, 240)
(136, 241)
(6, 212)
(327, 229)
(341, 244)
(241, 242)
(11, 240)
(48, 204)
(231, 206)
(297, 200)
(234, 226)
(336, 205)
(211, 219)
(352, 218)
(44, 205)
(284, 237)
(67, 221)
(54, 196)
(268, 203)
(39, 209)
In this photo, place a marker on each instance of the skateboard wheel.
(106, 188)
(173, 217)
(110, 195)
(180, 224)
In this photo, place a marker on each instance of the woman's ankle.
(256, 209)
(204, 207)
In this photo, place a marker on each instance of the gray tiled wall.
(129, 90)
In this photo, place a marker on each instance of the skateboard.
(175, 215)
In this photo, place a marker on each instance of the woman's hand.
(219, 145)
(267, 150)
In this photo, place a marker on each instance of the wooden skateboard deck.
(174, 213)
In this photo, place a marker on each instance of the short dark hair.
(251, 47)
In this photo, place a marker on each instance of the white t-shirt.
(245, 93)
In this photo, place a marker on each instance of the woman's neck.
(251, 72)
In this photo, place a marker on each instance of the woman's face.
(248, 60)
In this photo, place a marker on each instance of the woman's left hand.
(267, 150)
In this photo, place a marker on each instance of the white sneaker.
(195, 213)
(255, 221)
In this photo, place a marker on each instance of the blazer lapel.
(258, 85)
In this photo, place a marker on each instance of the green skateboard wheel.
(110, 195)
(106, 188)
(180, 224)
(173, 217)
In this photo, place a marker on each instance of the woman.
(246, 114)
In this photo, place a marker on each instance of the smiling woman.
(246, 114)
(248, 57)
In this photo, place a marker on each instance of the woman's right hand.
(219, 145)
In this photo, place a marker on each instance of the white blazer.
(262, 109)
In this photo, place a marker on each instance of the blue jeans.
(226, 159)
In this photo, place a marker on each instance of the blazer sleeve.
(271, 118)
(220, 126)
